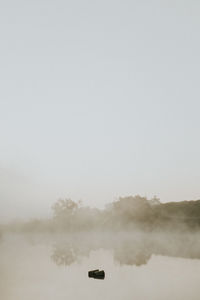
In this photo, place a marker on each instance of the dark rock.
(96, 274)
(91, 273)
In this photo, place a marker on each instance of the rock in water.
(96, 274)
(91, 273)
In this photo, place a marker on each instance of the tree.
(64, 211)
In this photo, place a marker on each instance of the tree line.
(126, 213)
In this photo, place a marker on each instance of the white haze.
(137, 265)
(97, 100)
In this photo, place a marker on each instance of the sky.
(98, 99)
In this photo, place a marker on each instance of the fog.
(133, 249)
(97, 100)
(133, 238)
(45, 266)
(99, 112)
(125, 213)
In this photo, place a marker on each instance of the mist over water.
(99, 99)
(137, 265)
(145, 252)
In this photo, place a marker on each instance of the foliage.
(126, 213)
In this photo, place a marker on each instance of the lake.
(137, 266)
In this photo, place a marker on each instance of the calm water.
(137, 267)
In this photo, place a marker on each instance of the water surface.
(137, 267)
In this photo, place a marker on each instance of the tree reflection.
(128, 250)
(67, 253)
(64, 255)
(131, 255)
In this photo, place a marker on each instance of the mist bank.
(127, 248)
(127, 213)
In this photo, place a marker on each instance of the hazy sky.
(98, 99)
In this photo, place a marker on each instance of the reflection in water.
(68, 252)
(131, 254)
(27, 272)
(129, 250)
(64, 255)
